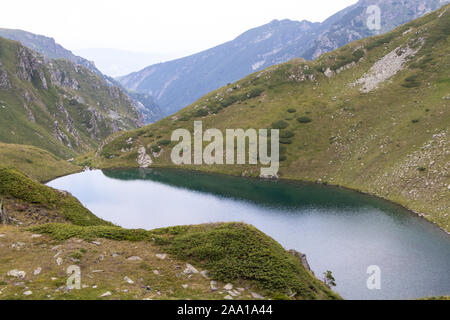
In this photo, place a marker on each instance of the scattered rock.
(127, 279)
(28, 293)
(37, 271)
(228, 297)
(58, 253)
(96, 243)
(256, 295)
(213, 285)
(156, 272)
(185, 286)
(134, 258)
(161, 256)
(204, 274)
(17, 273)
(106, 294)
(59, 261)
(190, 269)
(36, 235)
(228, 286)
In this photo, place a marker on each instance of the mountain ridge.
(177, 83)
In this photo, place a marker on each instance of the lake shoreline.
(288, 180)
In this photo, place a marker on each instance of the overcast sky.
(173, 27)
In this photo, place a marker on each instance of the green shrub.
(280, 124)
(164, 142)
(155, 148)
(200, 113)
(286, 134)
(291, 110)
(304, 119)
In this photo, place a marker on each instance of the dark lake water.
(339, 230)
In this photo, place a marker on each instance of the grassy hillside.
(50, 230)
(21, 194)
(35, 162)
(372, 116)
(56, 105)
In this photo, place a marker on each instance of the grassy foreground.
(50, 230)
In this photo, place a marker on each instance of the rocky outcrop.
(61, 78)
(29, 65)
(302, 258)
(386, 67)
(143, 159)
(4, 81)
(3, 216)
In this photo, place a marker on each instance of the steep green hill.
(373, 116)
(57, 105)
(37, 163)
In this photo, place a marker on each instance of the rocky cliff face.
(57, 105)
(353, 24)
(48, 48)
(178, 83)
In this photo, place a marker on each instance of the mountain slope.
(57, 105)
(372, 116)
(177, 83)
(49, 48)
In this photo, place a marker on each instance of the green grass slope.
(16, 186)
(391, 141)
(230, 252)
(37, 163)
(57, 105)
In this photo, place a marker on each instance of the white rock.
(134, 258)
(185, 286)
(156, 272)
(204, 274)
(161, 256)
(231, 293)
(127, 279)
(58, 253)
(228, 286)
(106, 294)
(17, 273)
(37, 271)
(213, 285)
(190, 269)
(228, 297)
(36, 235)
(96, 243)
(28, 293)
(2, 235)
(143, 158)
(256, 296)
(59, 261)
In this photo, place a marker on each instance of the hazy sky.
(172, 27)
